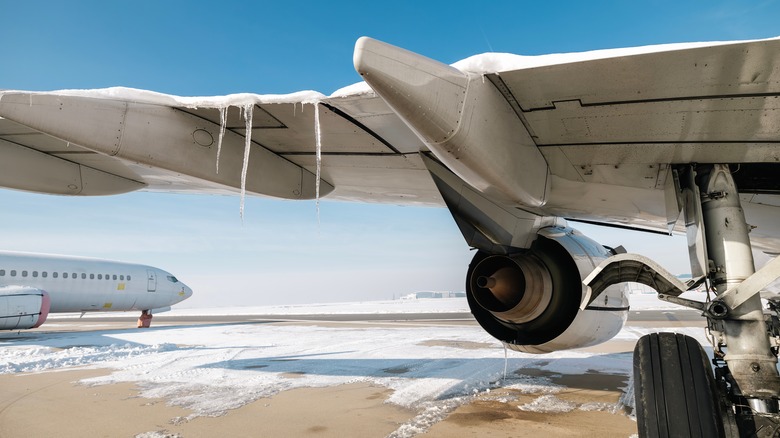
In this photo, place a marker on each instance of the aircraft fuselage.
(77, 284)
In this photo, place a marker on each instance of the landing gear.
(745, 339)
(145, 320)
(674, 388)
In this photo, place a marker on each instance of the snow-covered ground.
(214, 368)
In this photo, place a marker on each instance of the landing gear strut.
(746, 364)
(743, 393)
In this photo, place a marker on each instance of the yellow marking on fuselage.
(120, 286)
(107, 305)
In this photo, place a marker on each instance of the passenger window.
(2, 272)
(35, 274)
(44, 274)
(13, 273)
(114, 276)
(54, 275)
(91, 276)
(122, 277)
(100, 276)
(24, 273)
(128, 278)
(64, 275)
(74, 275)
(83, 276)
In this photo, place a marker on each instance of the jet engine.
(23, 307)
(531, 300)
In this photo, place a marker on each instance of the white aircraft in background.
(34, 285)
(674, 138)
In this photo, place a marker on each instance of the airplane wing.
(591, 136)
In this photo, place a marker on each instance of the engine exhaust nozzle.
(515, 289)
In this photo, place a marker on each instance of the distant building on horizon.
(433, 294)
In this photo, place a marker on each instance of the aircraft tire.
(674, 388)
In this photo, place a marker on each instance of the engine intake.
(23, 307)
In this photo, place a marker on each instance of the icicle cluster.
(246, 111)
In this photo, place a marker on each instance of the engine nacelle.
(531, 300)
(23, 307)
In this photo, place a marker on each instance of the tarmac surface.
(634, 317)
(352, 410)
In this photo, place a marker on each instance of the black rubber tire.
(674, 388)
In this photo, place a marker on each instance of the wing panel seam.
(365, 128)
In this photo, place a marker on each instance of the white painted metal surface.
(78, 284)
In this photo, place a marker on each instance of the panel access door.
(151, 283)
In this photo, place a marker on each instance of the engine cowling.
(531, 300)
(23, 307)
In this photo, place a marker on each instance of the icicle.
(506, 360)
(248, 109)
(318, 147)
(222, 122)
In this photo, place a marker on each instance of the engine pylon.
(463, 119)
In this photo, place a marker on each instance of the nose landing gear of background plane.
(145, 320)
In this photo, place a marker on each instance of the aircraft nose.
(186, 292)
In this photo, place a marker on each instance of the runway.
(634, 317)
(388, 374)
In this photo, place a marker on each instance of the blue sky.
(279, 254)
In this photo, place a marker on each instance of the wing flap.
(391, 179)
(738, 69)
(374, 115)
(32, 161)
(722, 93)
(689, 99)
(289, 128)
(624, 120)
(160, 137)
